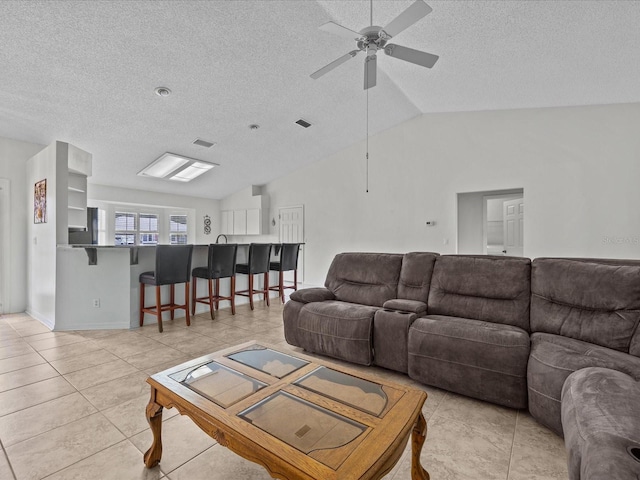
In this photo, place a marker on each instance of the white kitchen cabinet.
(239, 222)
(226, 222)
(253, 221)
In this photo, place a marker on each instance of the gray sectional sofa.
(506, 330)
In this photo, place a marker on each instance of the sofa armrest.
(309, 295)
(402, 305)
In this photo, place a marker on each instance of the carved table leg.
(154, 417)
(417, 440)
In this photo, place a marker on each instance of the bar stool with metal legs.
(258, 262)
(288, 261)
(173, 265)
(221, 264)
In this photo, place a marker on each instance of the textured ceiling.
(85, 72)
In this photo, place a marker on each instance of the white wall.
(41, 237)
(13, 168)
(579, 168)
(98, 195)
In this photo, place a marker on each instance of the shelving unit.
(77, 200)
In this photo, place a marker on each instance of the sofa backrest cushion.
(364, 278)
(415, 275)
(592, 300)
(488, 288)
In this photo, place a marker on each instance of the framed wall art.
(40, 202)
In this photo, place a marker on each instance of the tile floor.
(72, 407)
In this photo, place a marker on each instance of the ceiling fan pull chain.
(367, 154)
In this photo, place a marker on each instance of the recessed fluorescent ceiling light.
(170, 166)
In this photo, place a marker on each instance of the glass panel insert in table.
(301, 424)
(274, 363)
(220, 384)
(356, 392)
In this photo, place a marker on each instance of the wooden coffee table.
(299, 419)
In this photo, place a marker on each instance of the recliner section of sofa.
(584, 313)
(475, 338)
(357, 285)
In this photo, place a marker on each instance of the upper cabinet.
(241, 222)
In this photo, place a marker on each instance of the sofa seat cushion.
(480, 359)
(553, 358)
(338, 329)
(601, 420)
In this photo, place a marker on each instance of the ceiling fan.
(374, 38)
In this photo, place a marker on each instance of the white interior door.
(513, 223)
(292, 231)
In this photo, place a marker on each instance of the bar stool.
(221, 264)
(258, 262)
(288, 261)
(173, 265)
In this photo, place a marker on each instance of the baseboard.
(41, 318)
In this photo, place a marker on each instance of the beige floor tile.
(44, 336)
(130, 417)
(165, 365)
(5, 469)
(219, 463)
(26, 376)
(200, 345)
(15, 350)
(131, 346)
(171, 337)
(121, 461)
(34, 394)
(62, 447)
(182, 440)
(238, 335)
(117, 391)
(93, 334)
(67, 351)
(21, 361)
(98, 374)
(501, 421)
(10, 339)
(31, 329)
(57, 341)
(458, 450)
(538, 453)
(154, 357)
(24, 424)
(80, 362)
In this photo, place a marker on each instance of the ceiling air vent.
(303, 123)
(203, 143)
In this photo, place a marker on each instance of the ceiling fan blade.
(411, 15)
(331, 27)
(334, 64)
(423, 59)
(370, 70)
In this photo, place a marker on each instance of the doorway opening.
(491, 222)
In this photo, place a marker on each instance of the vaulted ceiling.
(84, 72)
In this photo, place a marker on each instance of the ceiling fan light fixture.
(170, 166)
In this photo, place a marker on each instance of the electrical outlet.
(96, 303)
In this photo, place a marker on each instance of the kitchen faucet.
(226, 240)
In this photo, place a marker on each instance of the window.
(148, 229)
(131, 226)
(125, 231)
(178, 229)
